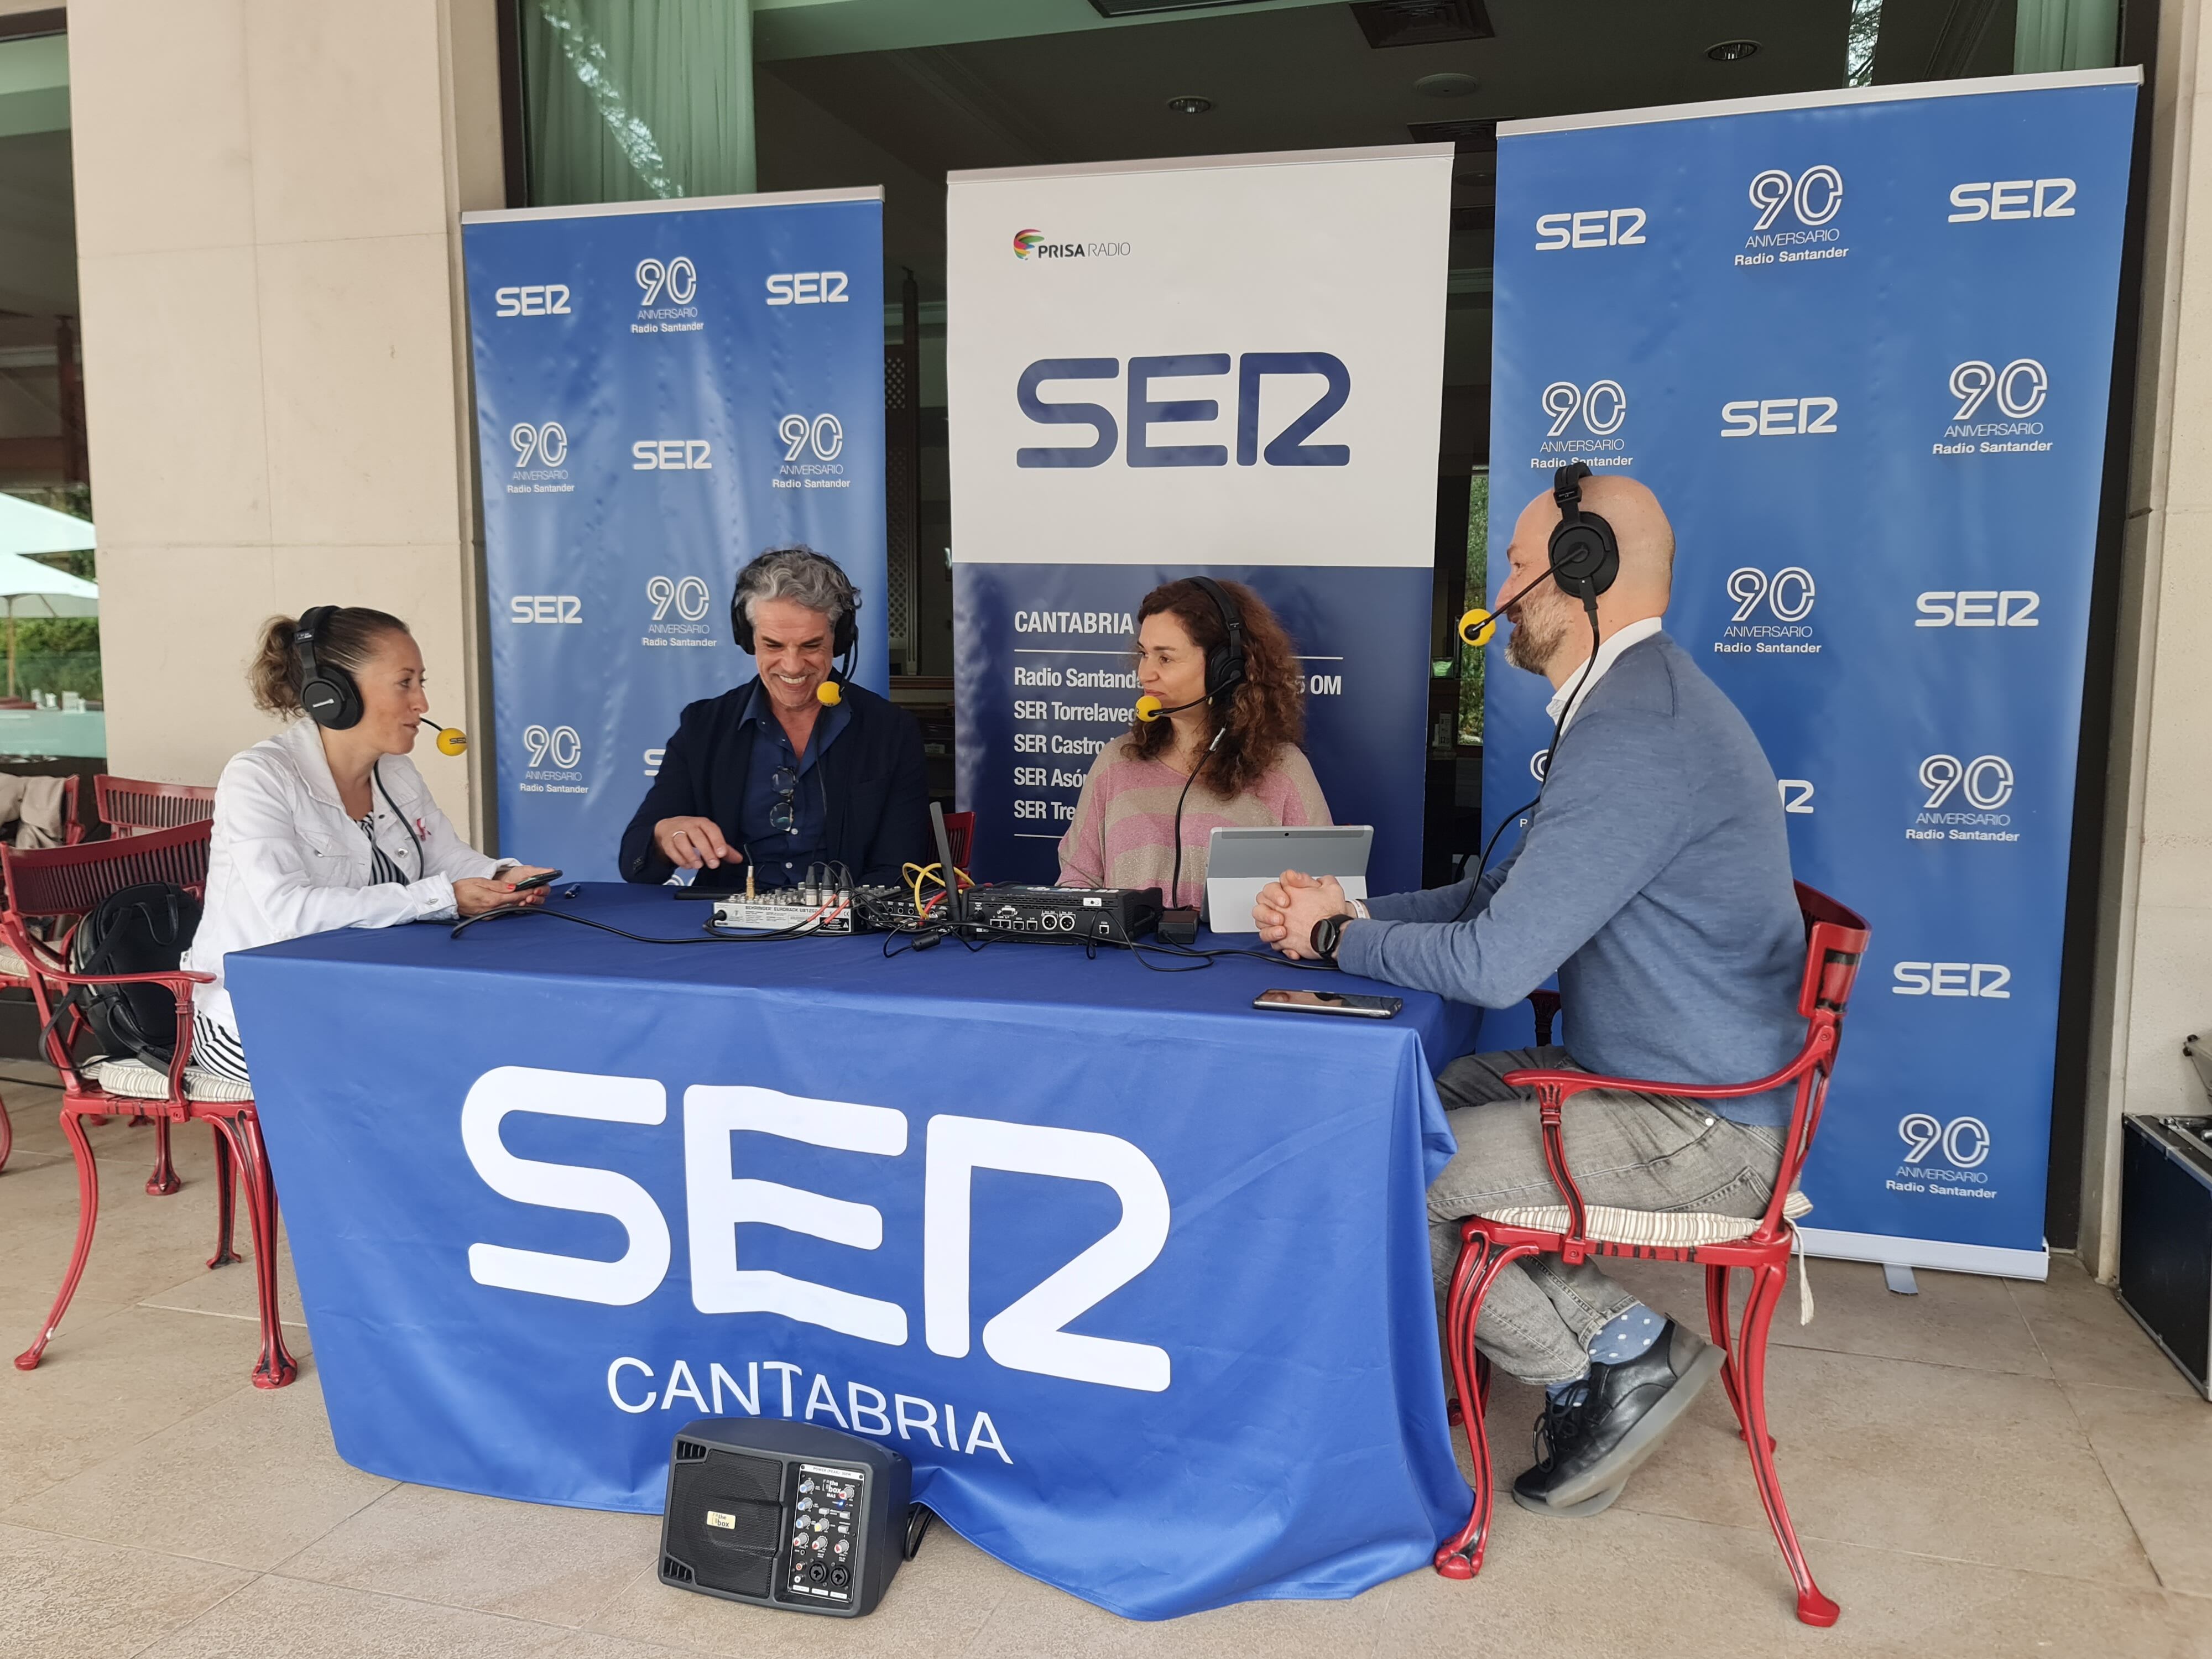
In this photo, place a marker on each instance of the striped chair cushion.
(1670, 1229)
(1674, 1229)
(12, 965)
(134, 1079)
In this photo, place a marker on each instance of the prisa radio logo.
(1032, 243)
(1810, 201)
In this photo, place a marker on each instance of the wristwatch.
(1326, 934)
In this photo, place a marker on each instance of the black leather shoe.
(1590, 1449)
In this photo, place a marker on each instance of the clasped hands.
(1289, 906)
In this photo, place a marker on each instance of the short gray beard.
(1537, 637)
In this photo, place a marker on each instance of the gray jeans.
(1634, 1152)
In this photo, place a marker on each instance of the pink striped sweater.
(1123, 833)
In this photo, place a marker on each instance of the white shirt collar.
(1608, 653)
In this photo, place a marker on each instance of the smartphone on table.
(1330, 1002)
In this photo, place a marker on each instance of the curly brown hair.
(1265, 715)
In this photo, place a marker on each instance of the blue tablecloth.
(1137, 1276)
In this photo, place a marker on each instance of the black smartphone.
(542, 879)
(1330, 1002)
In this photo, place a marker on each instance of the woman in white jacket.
(328, 824)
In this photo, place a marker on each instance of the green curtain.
(630, 100)
(2065, 35)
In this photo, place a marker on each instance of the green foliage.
(58, 654)
(1478, 591)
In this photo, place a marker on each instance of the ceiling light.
(1446, 85)
(1732, 51)
(1190, 104)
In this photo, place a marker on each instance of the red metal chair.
(960, 834)
(1835, 939)
(14, 974)
(66, 883)
(130, 806)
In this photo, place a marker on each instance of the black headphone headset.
(846, 631)
(332, 699)
(327, 690)
(1584, 555)
(1224, 663)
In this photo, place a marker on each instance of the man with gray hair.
(796, 767)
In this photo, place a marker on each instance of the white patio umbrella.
(30, 588)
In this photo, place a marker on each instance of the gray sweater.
(1653, 878)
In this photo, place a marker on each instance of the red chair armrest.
(1818, 1040)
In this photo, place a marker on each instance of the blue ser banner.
(1860, 344)
(1162, 1350)
(1228, 366)
(663, 389)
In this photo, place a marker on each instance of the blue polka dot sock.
(1569, 1392)
(1627, 1336)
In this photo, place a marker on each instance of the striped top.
(381, 869)
(1124, 829)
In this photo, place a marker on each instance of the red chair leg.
(87, 1217)
(226, 1200)
(276, 1368)
(1716, 1319)
(1766, 1287)
(7, 1135)
(1460, 1556)
(163, 1180)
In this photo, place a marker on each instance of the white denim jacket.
(286, 861)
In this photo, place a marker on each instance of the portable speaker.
(784, 1514)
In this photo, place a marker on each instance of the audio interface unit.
(1067, 916)
(776, 909)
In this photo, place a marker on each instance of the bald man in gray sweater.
(1653, 877)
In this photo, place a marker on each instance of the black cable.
(1175, 881)
(918, 1518)
(1559, 731)
(712, 936)
(422, 863)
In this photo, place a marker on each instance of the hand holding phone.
(542, 879)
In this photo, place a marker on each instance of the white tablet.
(1240, 862)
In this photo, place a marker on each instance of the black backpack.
(138, 930)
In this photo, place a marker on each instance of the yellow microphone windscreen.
(828, 693)
(1149, 707)
(1477, 626)
(451, 740)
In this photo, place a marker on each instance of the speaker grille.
(735, 1551)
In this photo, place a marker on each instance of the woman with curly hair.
(1220, 751)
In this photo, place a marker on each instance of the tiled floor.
(1983, 1470)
